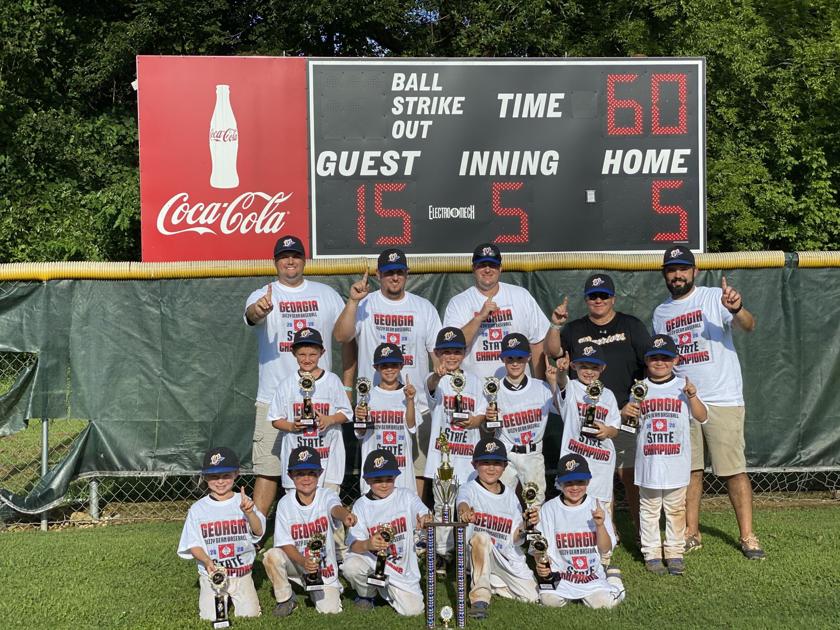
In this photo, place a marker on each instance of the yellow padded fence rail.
(421, 264)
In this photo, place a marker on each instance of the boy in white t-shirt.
(579, 533)
(663, 456)
(220, 532)
(390, 412)
(402, 510)
(496, 532)
(331, 407)
(522, 406)
(302, 513)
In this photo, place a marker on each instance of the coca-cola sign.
(223, 156)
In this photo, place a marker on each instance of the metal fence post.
(45, 452)
(94, 499)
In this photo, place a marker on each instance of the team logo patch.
(597, 281)
(491, 447)
(393, 257)
(487, 251)
(588, 351)
(658, 343)
(389, 437)
(676, 252)
(298, 324)
(226, 551)
(571, 465)
(660, 425)
(684, 338)
(449, 336)
(581, 563)
(305, 332)
(386, 352)
(495, 334)
(512, 343)
(379, 462)
(304, 455)
(216, 459)
(288, 242)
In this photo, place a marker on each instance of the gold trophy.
(459, 382)
(378, 577)
(593, 391)
(362, 397)
(315, 546)
(530, 492)
(307, 386)
(540, 545)
(445, 485)
(219, 584)
(638, 393)
(491, 391)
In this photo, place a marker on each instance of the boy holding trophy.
(382, 556)
(304, 550)
(663, 456)
(496, 531)
(219, 533)
(521, 406)
(384, 418)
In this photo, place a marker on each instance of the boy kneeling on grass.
(496, 532)
(220, 532)
(578, 533)
(395, 511)
(307, 511)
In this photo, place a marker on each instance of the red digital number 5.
(496, 192)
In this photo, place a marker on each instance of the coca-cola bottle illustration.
(224, 142)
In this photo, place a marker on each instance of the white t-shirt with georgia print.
(524, 413)
(387, 409)
(518, 312)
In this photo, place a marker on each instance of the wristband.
(347, 388)
(737, 310)
(554, 326)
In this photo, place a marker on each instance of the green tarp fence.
(163, 369)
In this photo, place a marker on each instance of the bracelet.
(554, 326)
(737, 310)
(347, 388)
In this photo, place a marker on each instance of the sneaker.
(284, 609)
(654, 565)
(364, 603)
(478, 610)
(693, 543)
(751, 548)
(676, 566)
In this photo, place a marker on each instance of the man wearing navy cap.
(489, 310)
(394, 315)
(700, 320)
(275, 312)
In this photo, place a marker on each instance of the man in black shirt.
(623, 340)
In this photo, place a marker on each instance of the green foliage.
(68, 139)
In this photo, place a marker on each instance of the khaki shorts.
(420, 444)
(625, 450)
(263, 453)
(723, 436)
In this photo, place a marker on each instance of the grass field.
(129, 577)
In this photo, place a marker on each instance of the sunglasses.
(598, 296)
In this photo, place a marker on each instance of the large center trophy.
(491, 391)
(638, 393)
(458, 382)
(307, 386)
(445, 489)
(362, 398)
(315, 547)
(593, 391)
(219, 584)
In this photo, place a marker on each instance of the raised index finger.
(723, 284)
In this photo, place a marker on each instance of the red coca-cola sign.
(223, 156)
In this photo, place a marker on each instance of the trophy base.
(493, 425)
(546, 586)
(587, 430)
(307, 422)
(459, 416)
(378, 580)
(221, 623)
(532, 536)
(313, 587)
(361, 426)
(628, 429)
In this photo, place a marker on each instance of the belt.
(522, 449)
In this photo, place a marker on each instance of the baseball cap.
(662, 344)
(219, 459)
(572, 467)
(304, 458)
(489, 449)
(387, 353)
(487, 252)
(588, 353)
(288, 243)
(678, 255)
(450, 337)
(599, 283)
(307, 336)
(380, 463)
(515, 345)
(391, 259)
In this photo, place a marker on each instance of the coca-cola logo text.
(224, 135)
(179, 216)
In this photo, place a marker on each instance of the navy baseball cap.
(219, 460)
(515, 345)
(572, 467)
(487, 252)
(599, 283)
(392, 259)
(662, 344)
(304, 458)
(387, 353)
(489, 449)
(380, 463)
(450, 337)
(588, 353)
(678, 255)
(308, 336)
(288, 243)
